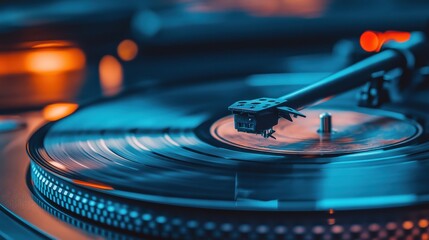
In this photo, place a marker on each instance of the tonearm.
(260, 115)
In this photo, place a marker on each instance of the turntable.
(162, 165)
(341, 156)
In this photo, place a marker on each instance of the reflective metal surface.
(16, 197)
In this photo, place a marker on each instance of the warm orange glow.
(423, 223)
(331, 211)
(127, 50)
(425, 236)
(93, 185)
(41, 72)
(51, 44)
(407, 225)
(57, 111)
(54, 60)
(331, 221)
(372, 41)
(44, 57)
(111, 75)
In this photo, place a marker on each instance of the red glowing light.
(372, 41)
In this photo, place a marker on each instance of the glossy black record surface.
(156, 147)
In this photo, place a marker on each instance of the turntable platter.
(144, 152)
(114, 143)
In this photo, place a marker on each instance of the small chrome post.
(325, 123)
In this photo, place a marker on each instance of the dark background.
(185, 41)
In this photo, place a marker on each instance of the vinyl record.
(176, 148)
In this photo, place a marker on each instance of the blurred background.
(69, 52)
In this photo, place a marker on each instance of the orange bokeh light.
(54, 60)
(93, 185)
(423, 223)
(42, 57)
(111, 75)
(127, 50)
(57, 111)
(407, 225)
(372, 41)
